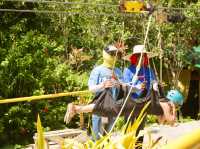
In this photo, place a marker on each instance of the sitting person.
(177, 99)
(103, 104)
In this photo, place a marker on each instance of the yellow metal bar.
(185, 142)
(81, 101)
(21, 99)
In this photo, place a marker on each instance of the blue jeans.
(96, 125)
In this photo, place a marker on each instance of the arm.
(157, 86)
(153, 80)
(101, 86)
(127, 77)
(93, 83)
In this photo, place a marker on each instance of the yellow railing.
(31, 98)
(188, 141)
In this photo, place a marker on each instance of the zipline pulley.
(135, 6)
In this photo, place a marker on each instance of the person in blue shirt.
(145, 75)
(139, 98)
(101, 78)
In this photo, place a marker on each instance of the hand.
(143, 85)
(107, 84)
(155, 86)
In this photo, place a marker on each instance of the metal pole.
(21, 99)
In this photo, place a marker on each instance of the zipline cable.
(94, 4)
(64, 3)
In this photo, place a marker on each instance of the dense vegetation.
(43, 53)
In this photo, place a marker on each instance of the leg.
(96, 126)
(163, 108)
(169, 112)
(72, 110)
(111, 121)
(84, 109)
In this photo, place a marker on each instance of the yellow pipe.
(21, 99)
(185, 142)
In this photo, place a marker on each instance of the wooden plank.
(62, 133)
(56, 138)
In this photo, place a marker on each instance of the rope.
(154, 67)
(134, 77)
(155, 70)
(49, 96)
(161, 54)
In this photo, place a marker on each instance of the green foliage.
(151, 119)
(186, 119)
(37, 55)
(120, 123)
(16, 146)
(198, 116)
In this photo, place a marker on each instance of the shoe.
(69, 113)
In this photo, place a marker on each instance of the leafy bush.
(39, 55)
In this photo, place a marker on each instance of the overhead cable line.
(65, 12)
(178, 8)
(94, 4)
(65, 3)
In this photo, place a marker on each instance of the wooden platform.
(53, 139)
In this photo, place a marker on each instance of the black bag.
(105, 105)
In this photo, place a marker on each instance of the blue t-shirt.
(102, 73)
(145, 74)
